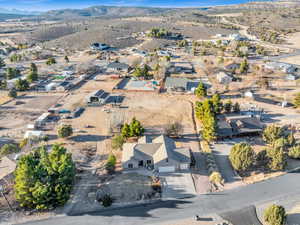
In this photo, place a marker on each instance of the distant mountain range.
(18, 12)
(103, 11)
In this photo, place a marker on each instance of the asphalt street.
(285, 188)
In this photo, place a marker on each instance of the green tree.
(242, 156)
(43, 180)
(142, 71)
(2, 63)
(244, 66)
(136, 129)
(236, 108)
(125, 130)
(111, 163)
(228, 106)
(217, 104)
(12, 73)
(117, 142)
(205, 113)
(67, 59)
(8, 149)
(22, 85)
(272, 133)
(33, 73)
(275, 215)
(12, 93)
(297, 100)
(277, 159)
(50, 61)
(3, 84)
(65, 131)
(291, 140)
(294, 152)
(201, 90)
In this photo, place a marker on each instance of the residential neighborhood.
(151, 115)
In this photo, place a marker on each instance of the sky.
(44, 5)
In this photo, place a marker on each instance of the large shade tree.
(44, 180)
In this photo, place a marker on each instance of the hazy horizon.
(45, 5)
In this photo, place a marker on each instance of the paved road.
(285, 188)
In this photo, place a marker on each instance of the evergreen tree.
(65, 131)
(201, 90)
(67, 59)
(228, 106)
(136, 129)
(43, 180)
(275, 215)
(236, 107)
(272, 133)
(12, 73)
(244, 66)
(22, 85)
(12, 93)
(126, 130)
(242, 156)
(277, 159)
(217, 104)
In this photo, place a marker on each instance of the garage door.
(184, 166)
(166, 169)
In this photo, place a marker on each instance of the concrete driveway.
(177, 185)
(221, 151)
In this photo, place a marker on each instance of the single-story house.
(238, 125)
(98, 97)
(181, 67)
(224, 78)
(160, 153)
(34, 134)
(64, 86)
(232, 66)
(118, 67)
(99, 46)
(181, 84)
(41, 121)
(284, 67)
(237, 37)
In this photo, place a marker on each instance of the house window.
(141, 163)
(149, 162)
(130, 166)
(167, 160)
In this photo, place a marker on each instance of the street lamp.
(2, 193)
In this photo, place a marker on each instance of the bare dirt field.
(292, 60)
(294, 40)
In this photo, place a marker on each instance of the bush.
(294, 152)
(262, 158)
(65, 131)
(12, 93)
(111, 163)
(216, 178)
(106, 200)
(117, 142)
(22, 85)
(242, 156)
(174, 130)
(50, 61)
(277, 159)
(275, 215)
(8, 149)
(272, 133)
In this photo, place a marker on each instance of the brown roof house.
(238, 125)
(159, 153)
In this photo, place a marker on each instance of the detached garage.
(165, 169)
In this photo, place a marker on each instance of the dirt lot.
(14, 117)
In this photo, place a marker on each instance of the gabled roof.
(161, 148)
(117, 65)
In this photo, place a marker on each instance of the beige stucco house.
(159, 153)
